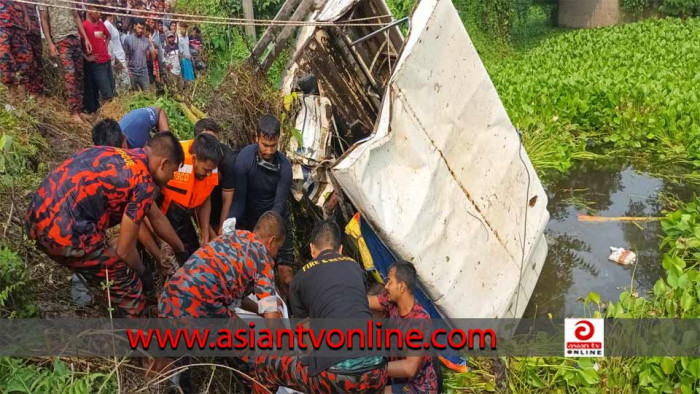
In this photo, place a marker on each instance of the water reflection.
(577, 260)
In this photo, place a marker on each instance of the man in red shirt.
(414, 373)
(99, 66)
(94, 190)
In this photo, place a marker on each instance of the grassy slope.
(35, 138)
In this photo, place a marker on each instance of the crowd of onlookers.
(102, 50)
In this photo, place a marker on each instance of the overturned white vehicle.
(411, 134)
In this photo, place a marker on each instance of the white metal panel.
(334, 9)
(442, 181)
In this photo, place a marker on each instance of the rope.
(193, 18)
(527, 205)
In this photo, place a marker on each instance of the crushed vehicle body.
(411, 134)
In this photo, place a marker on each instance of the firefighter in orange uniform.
(188, 193)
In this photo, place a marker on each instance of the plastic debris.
(79, 292)
(229, 226)
(286, 390)
(622, 256)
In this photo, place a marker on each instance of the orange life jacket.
(185, 189)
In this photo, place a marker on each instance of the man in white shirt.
(121, 74)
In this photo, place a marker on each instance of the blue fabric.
(383, 258)
(137, 124)
(187, 70)
(456, 359)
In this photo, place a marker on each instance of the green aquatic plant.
(632, 87)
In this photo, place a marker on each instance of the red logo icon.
(584, 330)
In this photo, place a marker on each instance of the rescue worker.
(222, 196)
(138, 124)
(92, 191)
(63, 31)
(263, 182)
(36, 77)
(244, 261)
(220, 276)
(398, 303)
(108, 132)
(189, 192)
(329, 286)
(15, 51)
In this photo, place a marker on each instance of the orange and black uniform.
(182, 195)
(218, 276)
(76, 204)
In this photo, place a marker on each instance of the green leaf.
(645, 378)
(296, 133)
(670, 262)
(16, 386)
(625, 299)
(59, 367)
(593, 297)
(5, 142)
(590, 376)
(687, 301)
(686, 388)
(667, 365)
(535, 380)
(659, 287)
(672, 279)
(288, 100)
(694, 368)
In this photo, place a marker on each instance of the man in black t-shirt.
(222, 195)
(329, 286)
(264, 183)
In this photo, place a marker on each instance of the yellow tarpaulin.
(355, 234)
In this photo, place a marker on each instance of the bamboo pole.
(249, 14)
(268, 36)
(285, 34)
(600, 219)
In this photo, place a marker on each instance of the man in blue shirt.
(138, 124)
(263, 182)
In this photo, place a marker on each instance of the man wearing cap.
(171, 59)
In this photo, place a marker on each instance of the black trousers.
(285, 255)
(98, 83)
(181, 220)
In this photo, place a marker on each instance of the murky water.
(577, 262)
